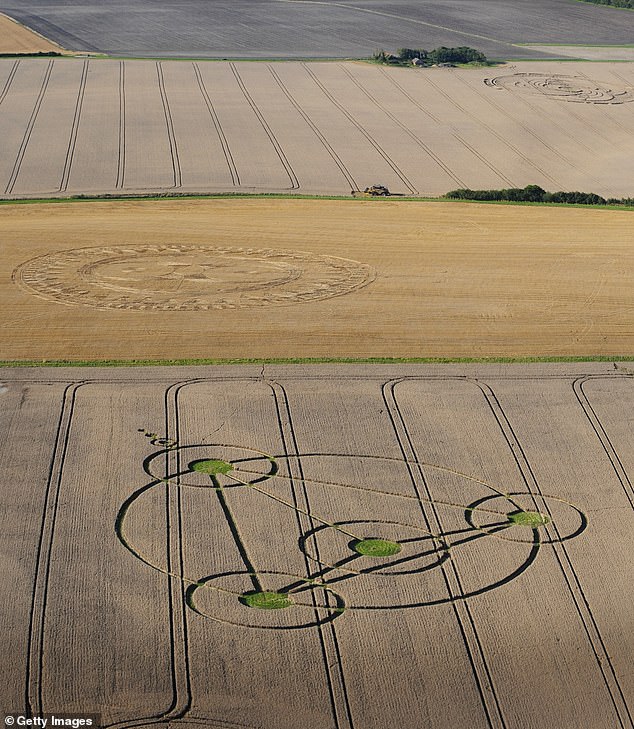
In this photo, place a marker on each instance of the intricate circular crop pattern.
(188, 277)
(563, 88)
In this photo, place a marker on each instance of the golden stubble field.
(265, 279)
(16, 38)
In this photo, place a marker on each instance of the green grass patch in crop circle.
(532, 519)
(376, 547)
(211, 466)
(265, 600)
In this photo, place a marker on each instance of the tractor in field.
(377, 191)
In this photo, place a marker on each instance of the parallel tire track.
(121, 158)
(462, 611)
(560, 550)
(505, 142)
(233, 171)
(325, 143)
(417, 140)
(177, 176)
(442, 124)
(29, 130)
(331, 652)
(9, 81)
(602, 435)
(70, 151)
(267, 129)
(400, 174)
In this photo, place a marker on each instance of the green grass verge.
(308, 360)
(287, 196)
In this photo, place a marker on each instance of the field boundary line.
(226, 150)
(29, 130)
(320, 136)
(462, 611)
(505, 142)
(37, 615)
(121, 158)
(403, 127)
(9, 81)
(169, 123)
(267, 129)
(391, 163)
(560, 551)
(70, 151)
(333, 664)
(601, 432)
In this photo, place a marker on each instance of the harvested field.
(590, 53)
(102, 126)
(313, 278)
(321, 547)
(317, 29)
(15, 38)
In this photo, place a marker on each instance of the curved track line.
(121, 158)
(169, 123)
(269, 132)
(401, 17)
(602, 435)
(70, 151)
(397, 170)
(29, 129)
(9, 81)
(492, 131)
(233, 171)
(443, 124)
(327, 146)
(403, 127)
(462, 611)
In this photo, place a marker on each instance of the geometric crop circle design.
(345, 561)
(563, 88)
(188, 277)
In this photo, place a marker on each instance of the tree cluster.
(462, 54)
(534, 193)
(614, 3)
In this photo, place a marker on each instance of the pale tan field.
(313, 278)
(589, 53)
(16, 38)
(125, 566)
(77, 126)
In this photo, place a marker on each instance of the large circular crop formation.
(188, 277)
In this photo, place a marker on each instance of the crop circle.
(173, 277)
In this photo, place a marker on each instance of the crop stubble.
(371, 449)
(256, 278)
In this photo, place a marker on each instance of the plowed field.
(329, 548)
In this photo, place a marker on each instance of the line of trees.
(614, 3)
(535, 193)
(461, 54)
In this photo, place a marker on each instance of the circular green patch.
(376, 547)
(532, 519)
(211, 466)
(266, 600)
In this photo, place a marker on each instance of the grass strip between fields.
(310, 360)
(286, 196)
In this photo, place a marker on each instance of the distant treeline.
(614, 3)
(462, 54)
(534, 193)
